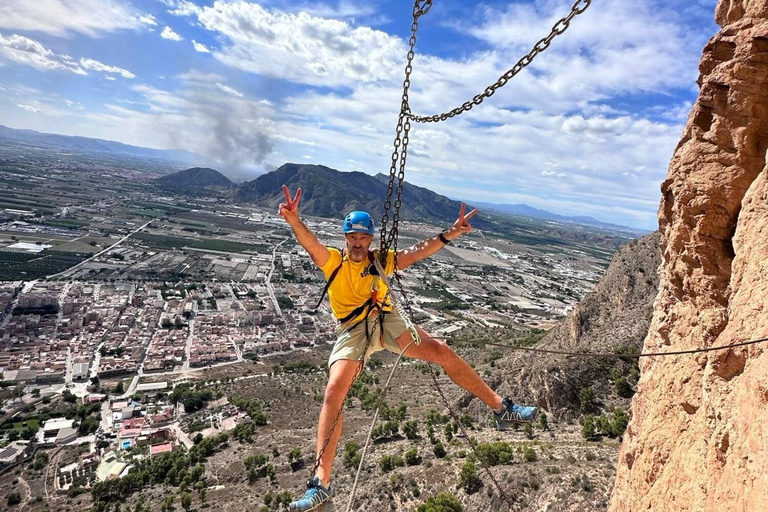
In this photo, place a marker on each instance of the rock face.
(698, 435)
(615, 316)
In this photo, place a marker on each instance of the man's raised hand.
(462, 226)
(289, 210)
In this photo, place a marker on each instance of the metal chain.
(557, 29)
(420, 8)
(358, 371)
(400, 151)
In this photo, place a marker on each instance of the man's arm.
(308, 240)
(430, 246)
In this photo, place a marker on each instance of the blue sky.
(587, 129)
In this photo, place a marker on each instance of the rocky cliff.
(698, 436)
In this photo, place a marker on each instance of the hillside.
(331, 193)
(194, 178)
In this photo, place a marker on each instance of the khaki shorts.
(351, 342)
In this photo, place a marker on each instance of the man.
(358, 307)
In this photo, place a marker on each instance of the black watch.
(442, 238)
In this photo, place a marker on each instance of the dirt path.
(27, 491)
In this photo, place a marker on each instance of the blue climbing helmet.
(358, 222)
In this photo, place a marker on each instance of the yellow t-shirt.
(352, 285)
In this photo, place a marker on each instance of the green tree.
(13, 498)
(411, 429)
(186, 501)
(587, 400)
(412, 457)
(620, 422)
(528, 430)
(588, 427)
(468, 479)
(439, 450)
(529, 454)
(543, 424)
(119, 390)
(443, 502)
(623, 388)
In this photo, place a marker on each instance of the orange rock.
(698, 434)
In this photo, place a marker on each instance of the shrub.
(493, 454)
(529, 454)
(439, 450)
(468, 479)
(623, 388)
(588, 427)
(351, 458)
(412, 457)
(587, 400)
(443, 502)
(389, 462)
(411, 429)
(619, 424)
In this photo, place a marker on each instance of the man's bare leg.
(455, 367)
(339, 380)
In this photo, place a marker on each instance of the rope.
(373, 424)
(606, 354)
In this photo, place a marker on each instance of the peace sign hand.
(461, 226)
(289, 210)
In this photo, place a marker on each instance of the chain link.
(557, 29)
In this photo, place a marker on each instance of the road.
(126, 237)
(271, 290)
(188, 345)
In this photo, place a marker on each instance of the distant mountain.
(529, 211)
(331, 193)
(196, 178)
(86, 144)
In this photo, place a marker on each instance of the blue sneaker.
(513, 413)
(317, 498)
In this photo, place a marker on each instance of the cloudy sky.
(587, 129)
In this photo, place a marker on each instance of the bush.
(389, 462)
(623, 388)
(468, 479)
(351, 458)
(587, 400)
(588, 427)
(529, 454)
(493, 454)
(14, 498)
(411, 429)
(443, 502)
(620, 422)
(528, 430)
(439, 450)
(412, 457)
(543, 424)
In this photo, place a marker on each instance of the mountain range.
(327, 192)
(90, 145)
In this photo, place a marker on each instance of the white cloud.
(168, 33)
(229, 90)
(60, 17)
(28, 108)
(299, 47)
(148, 19)
(111, 78)
(200, 47)
(24, 50)
(95, 65)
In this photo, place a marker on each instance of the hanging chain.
(557, 29)
(400, 151)
(358, 371)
